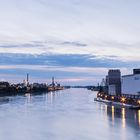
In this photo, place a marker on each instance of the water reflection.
(29, 99)
(130, 119)
(139, 118)
(113, 111)
(70, 114)
(123, 118)
(125, 115)
(4, 100)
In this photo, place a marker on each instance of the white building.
(131, 83)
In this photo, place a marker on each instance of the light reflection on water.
(139, 118)
(123, 118)
(66, 115)
(113, 115)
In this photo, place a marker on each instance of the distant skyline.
(76, 41)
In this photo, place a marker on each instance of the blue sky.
(76, 41)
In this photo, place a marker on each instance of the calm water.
(66, 115)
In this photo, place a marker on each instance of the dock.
(117, 104)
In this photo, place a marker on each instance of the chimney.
(53, 81)
(27, 79)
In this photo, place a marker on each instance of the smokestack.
(53, 81)
(27, 79)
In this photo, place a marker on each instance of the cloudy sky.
(76, 41)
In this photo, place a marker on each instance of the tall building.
(113, 82)
(27, 80)
(53, 83)
(114, 77)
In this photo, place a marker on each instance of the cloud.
(71, 68)
(68, 60)
(69, 34)
(64, 75)
(74, 44)
(91, 27)
(112, 50)
(72, 20)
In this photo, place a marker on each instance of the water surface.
(70, 114)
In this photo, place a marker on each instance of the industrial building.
(122, 91)
(131, 83)
(113, 82)
(125, 85)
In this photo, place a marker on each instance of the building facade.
(113, 82)
(131, 83)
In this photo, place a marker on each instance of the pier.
(129, 101)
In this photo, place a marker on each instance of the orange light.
(123, 99)
(139, 102)
(112, 97)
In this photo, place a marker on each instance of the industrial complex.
(115, 84)
(121, 89)
(7, 88)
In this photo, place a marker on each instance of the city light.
(98, 94)
(123, 99)
(139, 102)
(112, 97)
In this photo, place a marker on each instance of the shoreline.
(13, 91)
(117, 104)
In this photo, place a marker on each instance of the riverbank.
(17, 90)
(119, 100)
(117, 104)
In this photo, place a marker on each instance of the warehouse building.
(113, 82)
(131, 83)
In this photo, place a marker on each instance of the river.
(70, 114)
